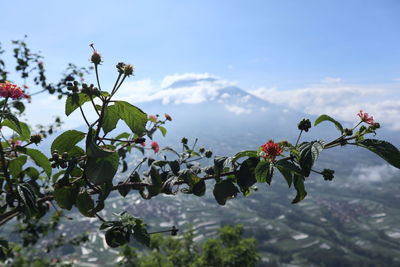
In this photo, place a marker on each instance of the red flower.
(168, 117)
(154, 145)
(11, 90)
(270, 150)
(364, 117)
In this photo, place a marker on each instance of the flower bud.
(36, 138)
(128, 69)
(120, 67)
(140, 140)
(202, 150)
(184, 140)
(95, 58)
(304, 125)
(348, 132)
(328, 174)
(208, 154)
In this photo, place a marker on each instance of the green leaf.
(383, 149)
(22, 129)
(116, 237)
(246, 175)
(39, 158)
(65, 197)
(264, 171)
(74, 101)
(85, 204)
(224, 190)
(288, 170)
(14, 120)
(102, 170)
(66, 141)
(199, 188)
(134, 117)
(110, 119)
(163, 130)
(328, 118)
(299, 186)
(93, 150)
(15, 165)
(28, 197)
(32, 173)
(309, 153)
(247, 153)
(219, 165)
(140, 233)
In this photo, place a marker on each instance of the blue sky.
(284, 44)
(316, 56)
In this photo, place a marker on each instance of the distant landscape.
(352, 220)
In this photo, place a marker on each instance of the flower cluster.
(365, 118)
(12, 91)
(154, 145)
(270, 150)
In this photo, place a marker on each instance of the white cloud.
(237, 109)
(340, 100)
(377, 173)
(187, 88)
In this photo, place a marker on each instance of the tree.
(33, 185)
(229, 249)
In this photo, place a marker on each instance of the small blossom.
(365, 118)
(270, 150)
(168, 117)
(14, 143)
(154, 145)
(11, 90)
(143, 144)
(152, 118)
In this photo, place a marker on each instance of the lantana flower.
(365, 118)
(154, 145)
(13, 91)
(153, 118)
(270, 150)
(168, 117)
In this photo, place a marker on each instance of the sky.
(282, 51)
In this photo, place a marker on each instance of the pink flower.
(143, 144)
(168, 117)
(364, 117)
(154, 145)
(11, 90)
(270, 150)
(15, 143)
(153, 118)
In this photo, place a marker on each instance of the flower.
(14, 143)
(154, 145)
(270, 150)
(13, 91)
(143, 144)
(168, 117)
(364, 117)
(153, 118)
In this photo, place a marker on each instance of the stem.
(298, 138)
(94, 105)
(100, 218)
(4, 110)
(97, 76)
(84, 117)
(116, 89)
(5, 167)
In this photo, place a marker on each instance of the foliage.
(81, 170)
(228, 249)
